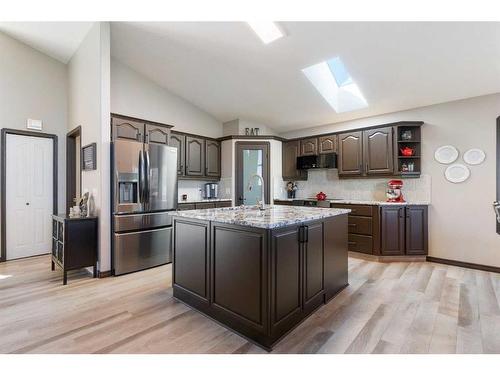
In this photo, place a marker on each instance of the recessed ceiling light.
(336, 85)
(267, 31)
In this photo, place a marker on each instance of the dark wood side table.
(74, 243)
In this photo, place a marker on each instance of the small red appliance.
(407, 151)
(321, 196)
(394, 193)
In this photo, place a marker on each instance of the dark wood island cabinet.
(259, 282)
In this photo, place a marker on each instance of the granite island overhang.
(259, 273)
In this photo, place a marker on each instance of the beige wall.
(33, 85)
(134, 95)
(462, 223)
(88, 83)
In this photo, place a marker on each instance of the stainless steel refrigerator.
(144, 190)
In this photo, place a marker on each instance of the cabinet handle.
(366, 168)
(351, 243)
(352, 225)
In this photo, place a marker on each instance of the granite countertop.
(272, 217)
(205, 200)
(356, 201)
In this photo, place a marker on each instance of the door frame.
(498, 168)
(238, 166)
(3, 170)
(70, 165)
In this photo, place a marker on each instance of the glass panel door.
(252, 160)
(252, 165)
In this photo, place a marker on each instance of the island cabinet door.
(239, 280)
(190, 261)
(313, 267)
(286, 282)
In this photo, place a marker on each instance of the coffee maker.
(394, 193)
(210, 191)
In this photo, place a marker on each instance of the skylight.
(267, 31)
(336, 85)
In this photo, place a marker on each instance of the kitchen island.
(259, 272)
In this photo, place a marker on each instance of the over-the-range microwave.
(317, 161)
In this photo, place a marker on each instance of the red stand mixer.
(394, 193)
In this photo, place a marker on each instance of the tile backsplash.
(327, 181)
(194, 189)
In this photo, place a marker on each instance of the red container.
(321, 196)
(407, 151)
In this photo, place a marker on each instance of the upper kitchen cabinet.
(290, 152)
(212, 158)
(125, 128)
(350, 160)
(378, 151)
(195, 156)
(198, 157)
(309, 146)
(327, 144)
(407, 149)
(178, 140)
(157, 134)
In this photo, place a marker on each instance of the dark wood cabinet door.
(350, 161)
(378, 151)
(127, 129)
(392, 223)
(157, 134)
(416, 230)
(313, 267)
(309, 146)
(291, 151)
(327, 144)
(286, 285)
(195, 156)
(179, 141)
(190, 257)
(212, 158)
(239, 277)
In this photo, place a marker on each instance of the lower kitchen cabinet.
(203, 205)
(392, 230)
(404, 230)
(416, 230)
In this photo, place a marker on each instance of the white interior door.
(29, 195)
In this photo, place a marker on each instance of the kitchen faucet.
(261, 203)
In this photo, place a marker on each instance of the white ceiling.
(225, 69)
(59, 40)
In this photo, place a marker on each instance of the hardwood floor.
(387, 308)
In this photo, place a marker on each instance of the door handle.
(141, 177)
(146, 176)
(496, 208)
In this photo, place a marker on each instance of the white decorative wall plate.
(446, 154)
(457, 173)
(474, 156)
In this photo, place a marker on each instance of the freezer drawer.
(136, 251)
(141, 221)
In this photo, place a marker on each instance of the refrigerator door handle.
(147, 176)
(141, 177)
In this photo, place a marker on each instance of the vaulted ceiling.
(223, 67)
(59, 40)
